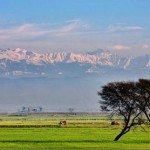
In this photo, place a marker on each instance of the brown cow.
(115, 123)
(63, 122)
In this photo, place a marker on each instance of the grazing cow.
(63, 122)
(115, 123)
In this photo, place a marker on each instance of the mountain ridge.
(21, 62)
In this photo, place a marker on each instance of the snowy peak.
(23, 62)
(98, 57)
(21, 54)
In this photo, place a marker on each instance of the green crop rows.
(82, 131)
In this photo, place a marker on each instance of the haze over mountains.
(58, 81)
(23, 63)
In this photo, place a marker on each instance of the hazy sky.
(121, 26)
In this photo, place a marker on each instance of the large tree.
(128, 99)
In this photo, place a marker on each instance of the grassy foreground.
(70, 138)
(80, 133)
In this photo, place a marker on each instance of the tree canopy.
(128, 99)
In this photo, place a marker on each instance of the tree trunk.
(120, 134)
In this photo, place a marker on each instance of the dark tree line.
(128, 99)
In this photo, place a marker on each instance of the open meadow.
(43, 131)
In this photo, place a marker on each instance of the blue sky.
(121, 26)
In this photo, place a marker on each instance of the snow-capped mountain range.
(21, 62)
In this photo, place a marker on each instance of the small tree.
(40, 109)
(23, 109)
(127, 99)
(71, 110)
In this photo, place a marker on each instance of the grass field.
(82, 131)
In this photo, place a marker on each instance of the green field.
(82, 131)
